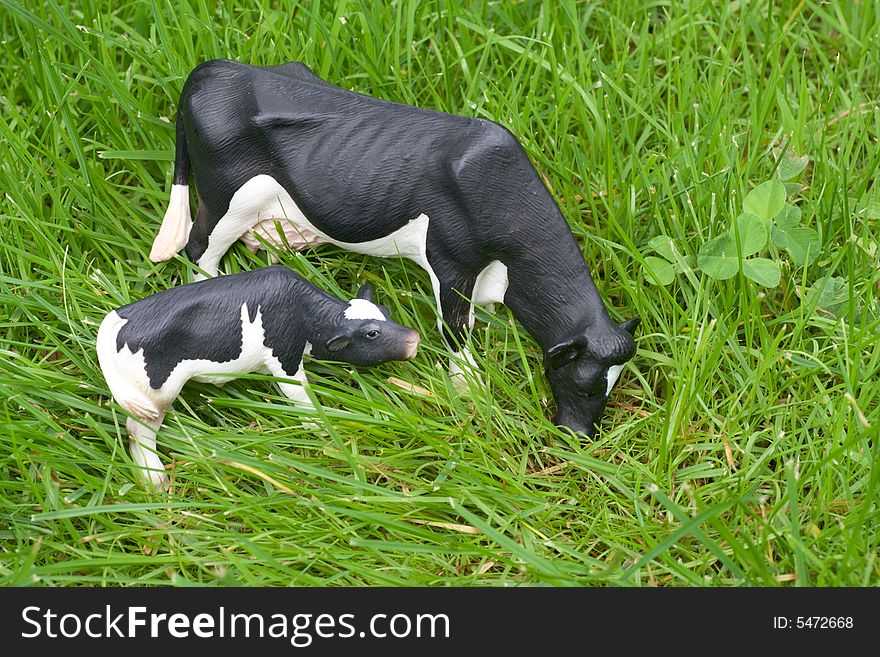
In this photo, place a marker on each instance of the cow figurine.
(279, 153)
(259, 321)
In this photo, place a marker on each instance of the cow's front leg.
(294, 385)
(457, 323)
(142, 435)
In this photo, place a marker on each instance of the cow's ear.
(366, 292)
(338, 343)
(564, 352)
(631, 325)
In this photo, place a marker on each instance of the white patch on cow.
(174, 232)
(363, 309)
(126, 376)
(489, 288)
(612, 376)
(262, 202)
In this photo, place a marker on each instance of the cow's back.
(357, 167)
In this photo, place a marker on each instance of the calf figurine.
(278, 152)
(259, 321)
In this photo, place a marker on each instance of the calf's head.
(363, 334)
(582, 370)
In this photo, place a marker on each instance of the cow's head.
(583, 369)
(364, 334)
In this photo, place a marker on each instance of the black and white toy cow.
(278, 152)
(259, 321)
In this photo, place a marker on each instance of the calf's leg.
(295, 392)
(142, 435)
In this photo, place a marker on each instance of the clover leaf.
(766, 200)
(763, 271)
(718, 257)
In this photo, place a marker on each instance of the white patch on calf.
(612, 376)
(126, 372)
(363, 309)
(252, 358)
(174, 232)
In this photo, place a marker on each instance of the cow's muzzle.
(583, 416)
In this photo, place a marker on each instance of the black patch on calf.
(203, 320)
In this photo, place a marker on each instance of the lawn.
(740, 446)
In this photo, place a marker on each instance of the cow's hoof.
(462, 374)
(459, 383)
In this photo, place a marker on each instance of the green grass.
(740, 447)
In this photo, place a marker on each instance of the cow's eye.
(372, 334)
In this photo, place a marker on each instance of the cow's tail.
(174, 232)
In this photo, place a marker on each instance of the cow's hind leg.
(207, 246)
(225, 233)
(142, 435)
(259, 199)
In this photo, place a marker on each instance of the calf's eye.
(372, 334)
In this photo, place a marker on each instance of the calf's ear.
(631, 325)
(338, 343)
(366, 292)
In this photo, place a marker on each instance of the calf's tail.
(177, 223)
(120, 373)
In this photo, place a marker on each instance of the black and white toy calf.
(280, 153)
(259, 321)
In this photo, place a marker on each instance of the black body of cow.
(360, 168)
